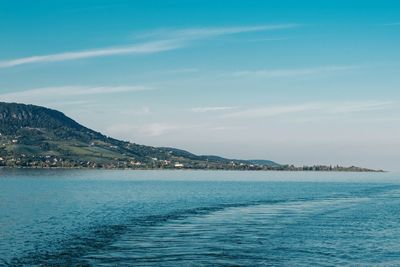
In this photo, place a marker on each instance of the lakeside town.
(38, 137)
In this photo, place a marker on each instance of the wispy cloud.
(172, 128)
(72, 103)
(301, 72)
(392, 24)
(145, 48)
(361, 107)
(150, 129)
(266, 39)
(211, 109)
(208, 32)
(183, 70)
(272, 111)
(42, 94)
(162, 41)
(320, 108)
(156, 129)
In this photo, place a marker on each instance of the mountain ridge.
(30, 132)
(39, 137)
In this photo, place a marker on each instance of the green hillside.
(34, 136)
(38, 137)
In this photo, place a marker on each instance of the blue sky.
(302, 82)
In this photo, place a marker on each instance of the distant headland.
(38, 137)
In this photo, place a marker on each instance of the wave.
(71, 252)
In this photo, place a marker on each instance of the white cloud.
(166, 41)
(184, 70)
(320, 108)
(171, 128)
(266, 39)
(392, 24)
(145, 48)
(210, 109)
(272, 111)
(150, 129)
(49, 93)
(207, 32)
(73, 103)
(301, 72)
(361, 107)
(157, 129)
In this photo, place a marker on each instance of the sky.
(297, 82)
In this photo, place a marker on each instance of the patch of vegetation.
(33, 136)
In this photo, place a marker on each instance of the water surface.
(175, 218)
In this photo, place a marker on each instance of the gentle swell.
(79, 245)
(71, 251)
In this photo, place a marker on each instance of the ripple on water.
(151, 223)
(292, 233)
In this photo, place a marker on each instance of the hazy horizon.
(298, 83)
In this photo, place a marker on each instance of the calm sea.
(198, 218)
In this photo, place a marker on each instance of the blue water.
(198, 218)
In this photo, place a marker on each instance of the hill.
(39, 137)
(34, 136)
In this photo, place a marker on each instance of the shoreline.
(186, 169)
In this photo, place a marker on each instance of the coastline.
(190, 169)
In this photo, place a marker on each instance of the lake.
(198, 218)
